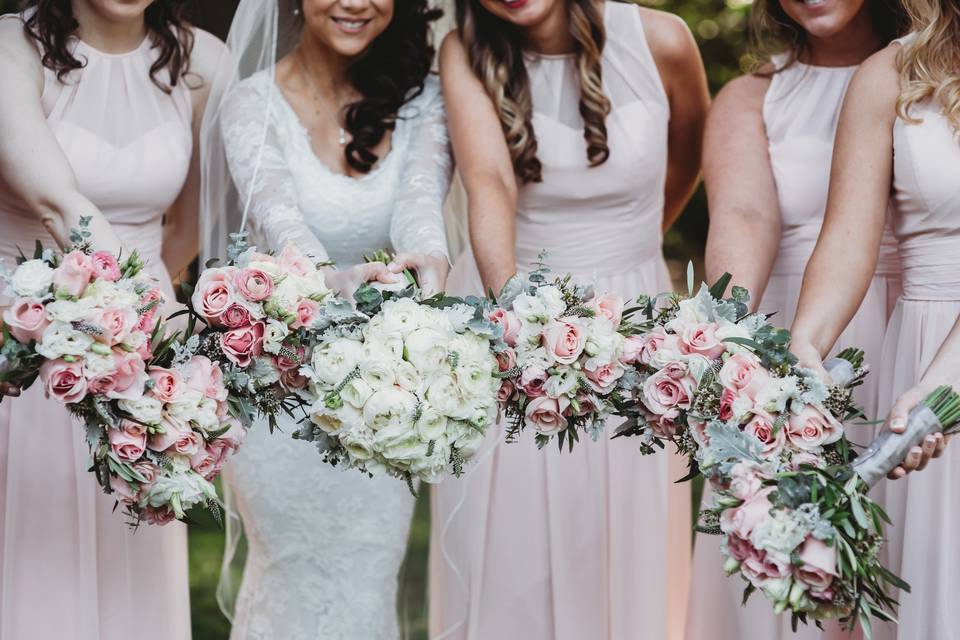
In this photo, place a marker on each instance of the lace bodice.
(294, 197)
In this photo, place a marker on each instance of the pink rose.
(171, 430)
(742, 373)
(158, 516)
(727, 399)
(233, 436)
(116, 323)
(293, 379)
(127, 445)
(243, 344)
(532, 380)
(745, 482)
(742, 520)
(253, 284)
(188, 443)
(105, 266)
(760, 567)
(666, 424)
(762, 426)
(698, 430)
(208, 461)
(147, 318)
(819, 567)
(123, 490)
(740, 549)
(608, 306)
(663, 391)
(812, 428)
(293, 261)
(564, 340)
(167, 384)
(656, 341)
(805, 458)
(546, 415)
(214, 293)
(602, 379)
(587, 403)
(200, 374)
(510, 323)
(148, 471)
(26, 319)
(307, 312)
(505, 392)
(129, 377)
(235, 316)
(506, 360)
(73, 275)
(632, 348)
(63, 380)
(701, 339)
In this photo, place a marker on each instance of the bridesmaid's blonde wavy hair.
(496, 55)
(930, 63)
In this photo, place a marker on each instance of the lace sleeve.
(417, 223)
(254, 150)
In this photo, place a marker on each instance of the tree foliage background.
(720, 27)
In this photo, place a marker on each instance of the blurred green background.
(720, 29)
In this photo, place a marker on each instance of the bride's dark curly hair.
(389, 74)
(52, 24)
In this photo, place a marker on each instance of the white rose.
(144, 409)
(389, 406)
(530, 309)
(186, 406)
(426, 349)
(431, 425)
(603, 343)
(730, 330)
(70, 310)
(552, 299)
(459, 316)
(206, 414)
(103, 293)
(331, 421)
(472, 348)
(134, 340)
(32, 279)
(285, 296)
(358, 443)
(60, 339)
(334, 361)
(356, 393)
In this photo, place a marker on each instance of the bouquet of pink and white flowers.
(402, 386)
(259, 310)
(565, 362)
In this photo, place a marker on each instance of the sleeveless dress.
(800, 111)
(543, 545)
(70, 567)
(925, 506)
(325, 544)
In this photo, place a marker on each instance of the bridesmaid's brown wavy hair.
(52, 24)
(930, 64)
(496, 55)
(773, 32)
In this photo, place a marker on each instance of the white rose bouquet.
(401, 386)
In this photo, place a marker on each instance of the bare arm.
(685, 81)
(844, 260)
(484, 163)
(31, 159)
(742, 195)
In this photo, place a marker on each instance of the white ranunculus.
(459, 316)
(408, 378)
(431, 425)
(389, 406)
(464, 437)
(273, 335)
(432, 468)
(358, 443)
(186, 406)
(446, 396)
(96, 365)
(70, 310)
(563, 382)
(329, 420)
(284, 296)
(530, 309)
(60, 339)
(144, 409)
(426, 349)
(32, 279)
(776, 393)
(378, 373)
(356, 393)
(471, 348)
(398, 443)
(552, 299)
(334, 361)
(190, 488)
(476, 379)
(398, 317)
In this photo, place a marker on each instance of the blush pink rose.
(505, 392)
(172, 430)
(149, 471)
(532, 380)
(158, 516)
(727, 399)
(26, 319)
(666, 425)
(200, 374)
(608, 306)
(744, 481)
(564, 340)
(127, 445)
(105, 266)
(63, 380)
(698, 430)
(740, 549)
(632, 348)
(74, 273)
(701, 339)
(662, 392)
(761, 567)
(506, 360)
(293, 261)
(742, 373)
(293, 379)
(130, 377)
(233, 436)
(124, 492)
(812, 428)
(285, 363)
(253, 284)
(742, 520)
(307, 313)
(546, 415)
(188, 443)
(762, 426)
(587, 403)
(235, 316)
(213, 294)
(602, 379)
(208, 460)
(167, 384)
(819, 567)
(510, 323)
(116, 323)
(243, 344)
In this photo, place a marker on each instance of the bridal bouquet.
(565, 367)
(81, 320)
(401, 386)
(259, 310)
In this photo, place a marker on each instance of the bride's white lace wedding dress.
(325, 544)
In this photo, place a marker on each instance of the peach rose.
(26, 319)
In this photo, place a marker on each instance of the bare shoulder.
(452, 51)
(209, 54)
(875, 86)
(668, 36)
(743, 94)
(16, 47)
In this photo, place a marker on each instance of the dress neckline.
(144, 44)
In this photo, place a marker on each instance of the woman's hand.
(346, 282)
(933, 445)
(431, 269)
(810, 358)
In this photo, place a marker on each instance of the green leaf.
(720, 286)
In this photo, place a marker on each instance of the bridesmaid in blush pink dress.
(106, 142)
(769, 143)
(896, 133)
(543, 545)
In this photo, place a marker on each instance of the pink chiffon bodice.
(128, 142)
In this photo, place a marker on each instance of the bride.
(334, 138)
